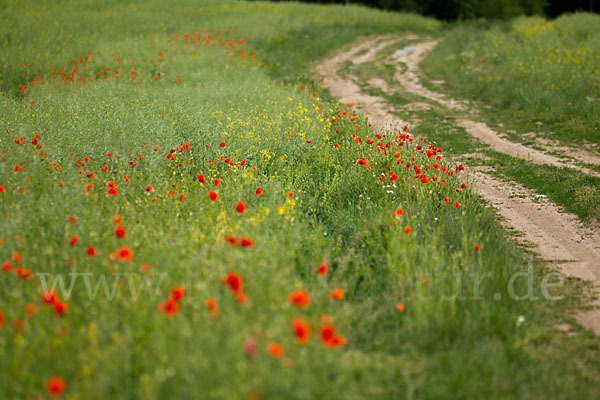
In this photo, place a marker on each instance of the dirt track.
(560, 238)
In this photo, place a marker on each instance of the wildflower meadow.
(185, 213)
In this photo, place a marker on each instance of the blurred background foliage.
(464, 9)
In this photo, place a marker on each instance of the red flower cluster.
(50, 298)
(243, 242)
(170, 306)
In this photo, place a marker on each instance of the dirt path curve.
(408, 78)
(345, 90)
(561, 240)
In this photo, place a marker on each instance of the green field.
(134, 139)
(530, 70)
(536, 80)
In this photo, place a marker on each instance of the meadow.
(533, 80)
(538, 75)
(184, 213)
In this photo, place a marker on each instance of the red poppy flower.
(259, 191)
(216, 182)
(177, 293)
(322, 269)
(149, 188)
(327, 333)
(120, 231)
(169, 308)
(222, 144)
(301, 330)
(240, 207)
(6, 266)
(234, 281)
(55, 386)
(91, 251)
(275, 349)
(329, 337)
(407, 230)
(111, 191)
(476, 247)
(201, 178)
(362, 161)
(336, 294)
(16, 257)
(456, 204)
(212, 195)
(60, 308)
(246, 242)
(211, 304)
(24, 273)
(400, 307)
(231, 240)
(299, 298)
(49, 297)
(123, 253)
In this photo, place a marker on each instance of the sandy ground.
(560, 237)
(346, 91)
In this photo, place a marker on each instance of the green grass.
(528, 70)
(319, 206)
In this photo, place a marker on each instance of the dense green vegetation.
(458, 9)
(108, 171)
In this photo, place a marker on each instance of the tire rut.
(409, 81)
